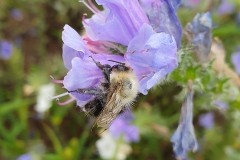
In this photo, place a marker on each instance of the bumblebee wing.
(112, 108)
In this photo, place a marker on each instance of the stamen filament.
(60, 95)
(88, 6)
(55, 80)
(93, 6)
(113, 46)
(65, 102)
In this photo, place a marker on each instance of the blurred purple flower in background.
(221, 105)
(199, 34)
(16, 14)
(190, 3)
(122, 126)
(206, 120)
(6, 49)
(226, 7)
(238, 18)
(236, 61)
(27, 156)
(123, 26)
(184, 138)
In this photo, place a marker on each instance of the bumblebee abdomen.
(94, 107)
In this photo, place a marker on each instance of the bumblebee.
(116, 93)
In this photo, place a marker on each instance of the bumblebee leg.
(91, 91)
(106, 69)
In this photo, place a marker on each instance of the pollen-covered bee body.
(122, 92)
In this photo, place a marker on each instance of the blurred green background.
(34, 29)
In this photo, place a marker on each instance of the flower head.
(122, 32)
(184, 139)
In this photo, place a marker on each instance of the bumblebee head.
(120, 68)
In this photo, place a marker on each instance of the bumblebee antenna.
(99, 65)
(117, 62)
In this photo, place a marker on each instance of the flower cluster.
(125, 31)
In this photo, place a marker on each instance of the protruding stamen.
(60, 95)
(113, 46)
(55, 80)
(93, 6)
(88, 6)
(65, 102)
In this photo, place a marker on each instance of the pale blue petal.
(69, 54)
(73, 46)
(72, 39)
(163, 18)
(119, 22)
(155, 58)
(84, 74)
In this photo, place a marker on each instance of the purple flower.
(121, 32)
(199, 34)
(121, 126)
(5, 49)
(184, 138)
(162, 17)
(226, 7)
(206, 120)
(236, 61)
